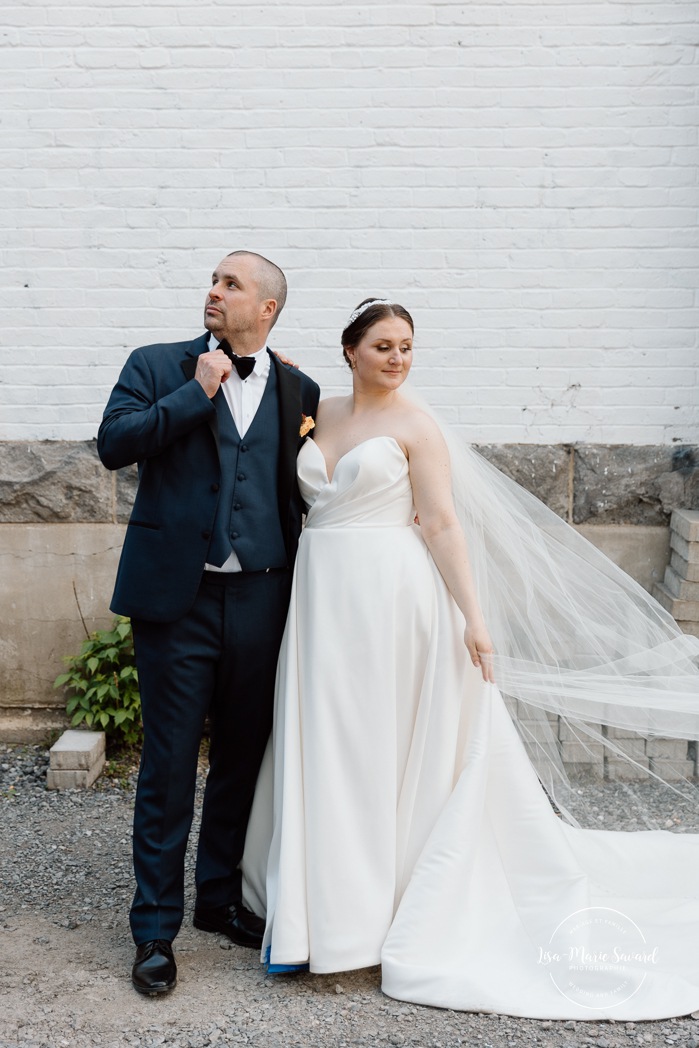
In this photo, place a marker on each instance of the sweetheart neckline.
(381, 436)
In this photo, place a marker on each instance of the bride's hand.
(284, 360)
(480, 648)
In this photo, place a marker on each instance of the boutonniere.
(307, 424)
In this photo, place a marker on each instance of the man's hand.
(212, 369)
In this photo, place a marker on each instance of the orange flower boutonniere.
(307, 424)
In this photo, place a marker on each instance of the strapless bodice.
(370, 486)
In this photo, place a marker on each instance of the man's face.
(233, 305)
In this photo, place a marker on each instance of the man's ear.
(269, 308)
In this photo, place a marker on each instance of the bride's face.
(383, 357)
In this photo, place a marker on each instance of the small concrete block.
(582, 753)
(686, 523)
(684, 569)
(524, 711)
(571, 733)
(687, 550)
(692, 628)
(537, 731)
(624, 771)
(672, 770)
(679, 609)
(680, 587)
(77, 750)
(73, 780)
(624, 733)
(667, 749)
(635, 748)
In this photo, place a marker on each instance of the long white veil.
(574, 635)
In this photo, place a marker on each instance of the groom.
(205, 574)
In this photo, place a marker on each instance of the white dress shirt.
(243, 397)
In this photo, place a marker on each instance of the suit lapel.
(189, 366)
(289, 397)
(193, 351)
(289, 394)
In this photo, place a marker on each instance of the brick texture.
(522, 176)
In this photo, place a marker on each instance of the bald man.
(205, 575)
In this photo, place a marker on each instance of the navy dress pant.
(220, 660)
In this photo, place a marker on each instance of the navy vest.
(247, 516)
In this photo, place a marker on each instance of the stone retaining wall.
(64, 481)
(62, 517)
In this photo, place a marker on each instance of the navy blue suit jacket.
(159, 416)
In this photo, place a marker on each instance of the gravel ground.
(65, 878)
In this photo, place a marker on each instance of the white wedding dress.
(410, 828)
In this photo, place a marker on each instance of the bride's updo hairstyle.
(367, 313)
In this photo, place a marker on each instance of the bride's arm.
(430, 476)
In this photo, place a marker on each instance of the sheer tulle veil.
(575, 637)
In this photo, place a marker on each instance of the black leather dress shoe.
(241, 925)
(154, 969)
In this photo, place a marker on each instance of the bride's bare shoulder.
(418, 423)
(331, 408)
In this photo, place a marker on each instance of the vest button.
(206, 534)
(241, 476)
(215, 487)
(243, 447)
(234, 535)
(237, 506)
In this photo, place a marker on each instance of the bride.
(410, 827)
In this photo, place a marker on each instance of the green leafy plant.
(102, 684)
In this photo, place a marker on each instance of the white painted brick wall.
(522, 176)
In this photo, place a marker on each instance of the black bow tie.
(243, 365)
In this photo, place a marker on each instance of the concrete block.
(679, 609)
(539, 734)
(623, 733)
(672, 770)
(624, 771)
(635, 748)
(689, 551)
(72, 780)
(667, 749)
(568, 733)
(538, 731)
(692, 628)
(680, 587)
(582, 753)
(642, 551)
(526, 712)
(77, 750)
(686, 523)
(684, 569)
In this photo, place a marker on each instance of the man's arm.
(136, 425)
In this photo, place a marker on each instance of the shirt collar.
(261, 358)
